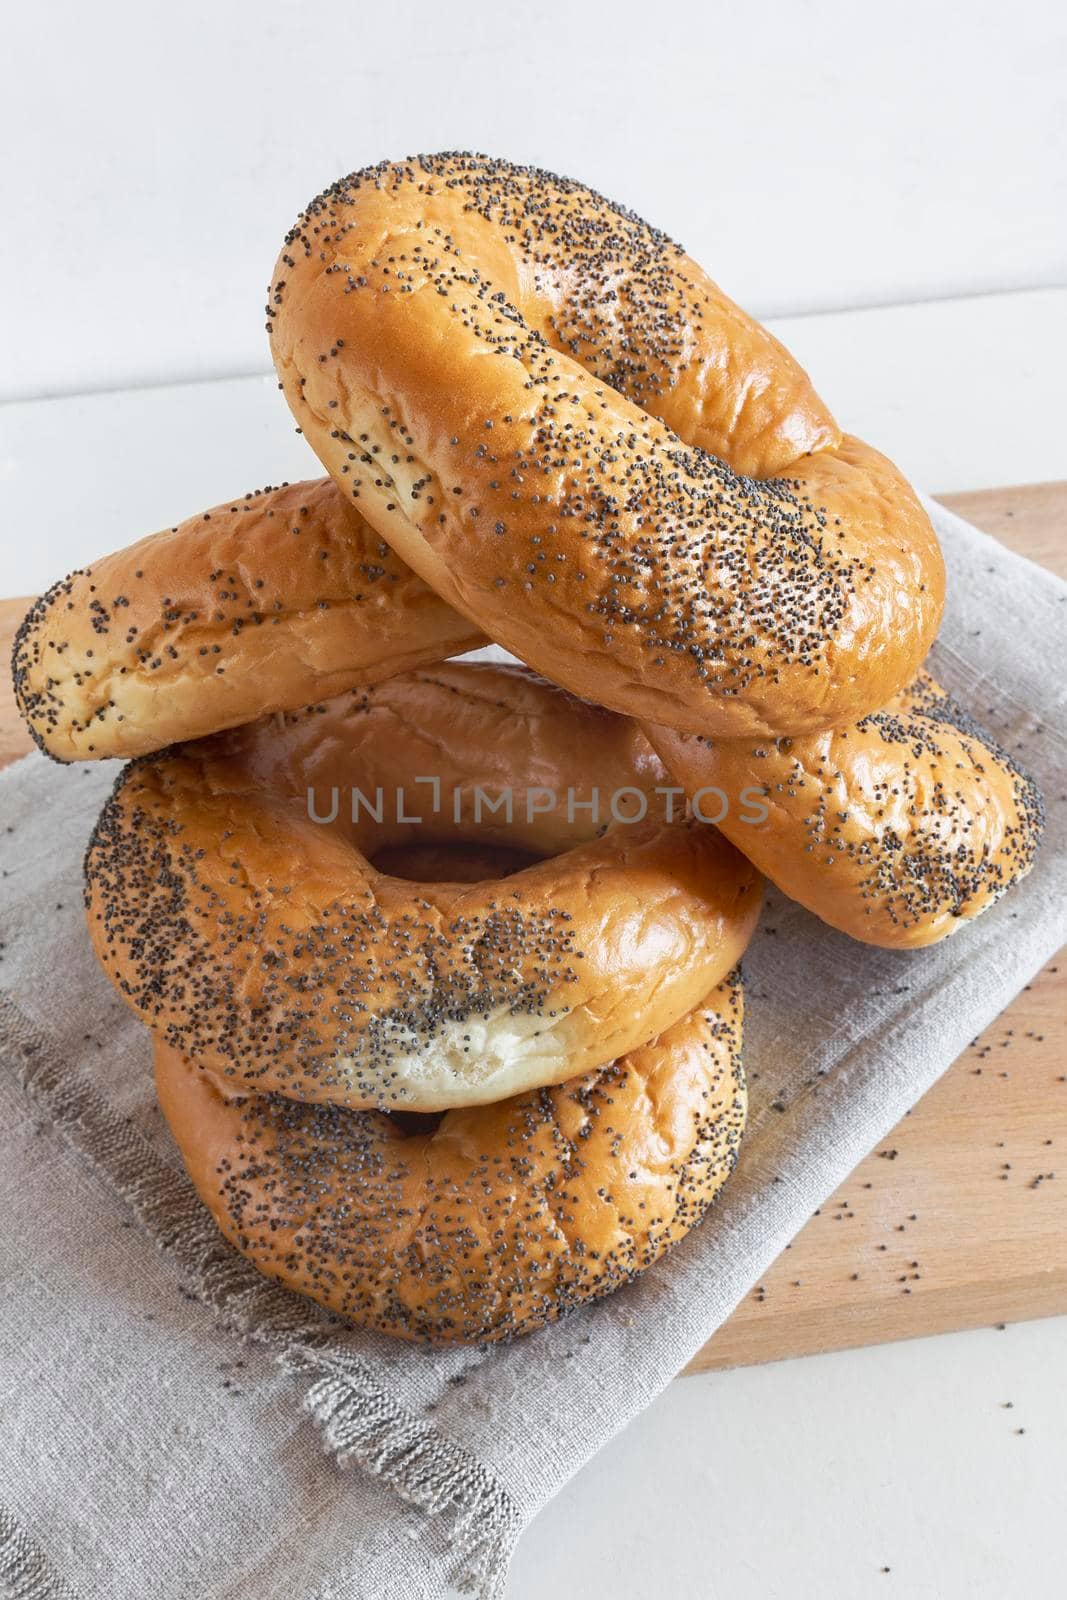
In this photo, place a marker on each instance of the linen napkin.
(176, 1428)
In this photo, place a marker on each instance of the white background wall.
(814, 154)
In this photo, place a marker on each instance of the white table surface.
(963, 394)
(804, 1479)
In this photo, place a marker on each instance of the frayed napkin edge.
(359, 1422)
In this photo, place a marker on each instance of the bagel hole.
(414, 1123)
(451, 860)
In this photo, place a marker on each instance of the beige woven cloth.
(174, 1428)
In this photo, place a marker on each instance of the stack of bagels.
(441, 958)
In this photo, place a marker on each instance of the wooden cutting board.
(960, 1217)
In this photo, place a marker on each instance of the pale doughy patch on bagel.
(260, 940)
(493, 1222)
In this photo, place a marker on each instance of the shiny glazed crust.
(265, 945)
(263, 604)
(556, 418)
(502, 1218)
(896, 830)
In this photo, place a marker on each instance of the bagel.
(560, 422)
(502, 1218)
(896, 830)
(263, 604)
(231, 900)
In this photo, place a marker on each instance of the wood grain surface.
(960, 1217)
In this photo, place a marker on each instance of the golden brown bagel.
(266, 946)
(895, 830)
(262, 604)
(547, 408)
(500, 1219)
